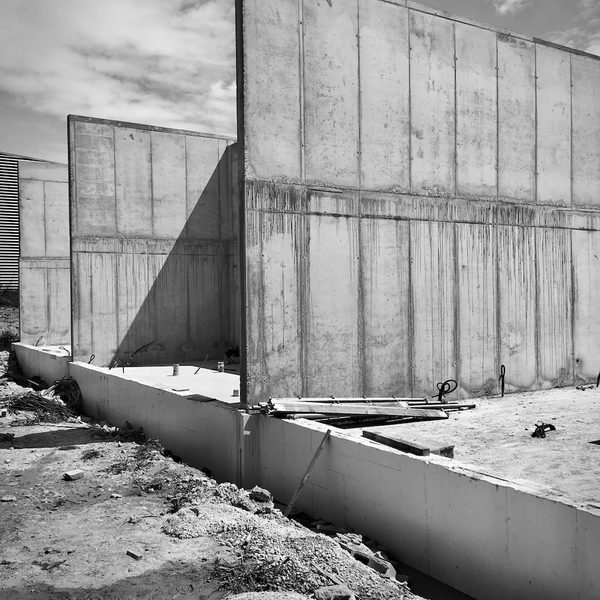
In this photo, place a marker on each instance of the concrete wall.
(44, 277)
(422, 202)
(489, 538)
(481, 535)
(154, 242)
(204, 434)
(48, 363)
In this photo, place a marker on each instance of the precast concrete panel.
(56, 217)
(93, 156)
(554, 311)
(282, 248)
(433, 304)
(432, 102)
(586, 131)
(385, 264)
(333, 361)
(32, 305)
(45, 304)
(33, 218)
(553, 126)
(133, 176)
(272, 89)
(201, 154)
(586, 283)
(169, 184)
(331, 112)
(476, 111)
(477, 309)
(384, 96)
(517, 289)
(516, 119)
(59, 304)
(160, 278)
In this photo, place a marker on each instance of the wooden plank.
(345, 400)
(410, 446)
(356, 409)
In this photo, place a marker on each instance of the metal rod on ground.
(295, 495)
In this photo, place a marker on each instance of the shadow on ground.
(58, 438)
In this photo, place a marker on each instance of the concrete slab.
(207, 383)
(495, 438)
(49, 363)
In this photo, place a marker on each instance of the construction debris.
(397, 440)
(73, 475)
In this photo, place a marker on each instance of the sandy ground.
(495, 438)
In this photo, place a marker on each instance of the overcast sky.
(172, 62)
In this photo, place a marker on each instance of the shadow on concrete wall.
(182, 306)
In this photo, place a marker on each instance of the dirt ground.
(138, 524)
(495, 438)
(9, 324)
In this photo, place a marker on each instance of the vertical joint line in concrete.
(455, 112)
(409, 104)
(497, 120)
(571, 128)
(44, 223)
(411, 311)
(573, 307)
(362, 359)
(151, 186)
(496, 233)
(301, 89)
(535, 125)
(114, 147)
(359, 141)
(537, 309)
(456, 295)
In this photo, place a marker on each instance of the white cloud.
(584, 30)
(510, 7)
(150, 61)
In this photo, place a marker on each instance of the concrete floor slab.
(495, 439)
(203, 381)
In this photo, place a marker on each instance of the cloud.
(584, 30)
(510, 7)
(150, 61)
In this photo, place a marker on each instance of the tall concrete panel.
(554, 311)
(477, 267)
(586, 131)
(385, 250)
(476, 111)
(44, 274)
(586, 282)
(413, 222)
(517, 289)
(553, 126)
(516, 119)
(384, 96)
(432, 101)
(333, 361)
(331, 113)
(433, 300)
(273, 145)
(157, 267)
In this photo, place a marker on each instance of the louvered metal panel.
(9, 222)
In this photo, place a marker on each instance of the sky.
(172, 62)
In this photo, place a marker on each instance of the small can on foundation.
(175, 370)
(220, 367)
(236, 393)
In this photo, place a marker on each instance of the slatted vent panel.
(9, 222)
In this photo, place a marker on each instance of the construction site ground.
(139, 524)
(496, 439)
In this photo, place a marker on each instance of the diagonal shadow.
(191, 309)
